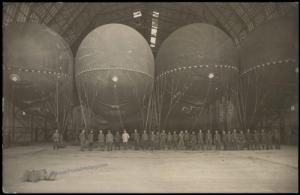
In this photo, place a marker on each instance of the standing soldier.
(263, 139)
(256, 140)
(125, 138)
(187, 140)
(109, 140)
(136, 139)
(163, 139)
(217, 140)
(224, 140)
(55, 138)
(181, 141)
(169, 140)
(241, 140)
(101, 140)
(144, 142)
(277, 138)
(175, 140)
(229, 140)
(235, 140)
(249, 141)
(208, 140)
(91, 140)
(152, 140)
(117, 140)
(200, 140)
(157, 140)
(193, 141)
(82, 139)
(269, 140)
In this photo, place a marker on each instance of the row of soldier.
(251, 140)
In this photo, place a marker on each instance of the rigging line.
(81, 108)
(205, 101)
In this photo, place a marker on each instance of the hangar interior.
(153, 66)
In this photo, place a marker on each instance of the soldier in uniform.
(163, 139)
(263, 139)
(82, 139)
(208, 139)
(125, 138)
(217, 140)
(101, 140)
(136, 139)
(175, 140)
(181, 141)
(224, 140)
(144, 142)
(269, 140)
(235, 140)
(193, 141)
(277, 138)
(109, 140)
(229, 140)
(241, 141)
(187, 140)
(256, 140)
(200, 140)
(249, 141)
(91, 140)
(117, 140)
(169, 140)
(152, 140)
(55, 138)
(157, 140)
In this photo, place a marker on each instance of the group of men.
(184, 140)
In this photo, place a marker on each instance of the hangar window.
(137, 14)
(155, 14)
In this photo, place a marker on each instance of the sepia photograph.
(150, 97)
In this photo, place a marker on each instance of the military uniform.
(229, 141)
(175, 140)
(169, 140)
(163, 140)
(200, 140)
(181, 141)
(241, 140)
(187, 140)
(217, 140)
(109, 140)
(136, 140)
(193, 141)
(208, 139)
(249, 141)
(234, 140)
(101, 140)
(157, 140)
(224, 140)
(117, 141)
(55, 138)
(269, 140)
(125, 138)
(152, 141)
(91, 140)
(144, 142)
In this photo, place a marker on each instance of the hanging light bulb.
(115, 79)
(211, 75)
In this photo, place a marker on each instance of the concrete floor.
(158, 171)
